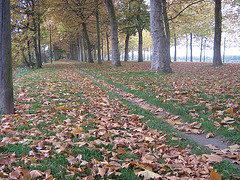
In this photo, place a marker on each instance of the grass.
(60, 104)
(123, 79)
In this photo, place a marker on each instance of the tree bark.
(186, 47)
(108, 54)
(29, 54)
(140, 44)
(37, 53)
(201, 48)
(126, 57)
(217, 61)
(175, 47)
(191, 48)
(39, 40)
(114, 33)
(98, 34)
(88, 44)
(160, 59)
(6, 84)
(50, 33)
(204, 50)
(167, 29)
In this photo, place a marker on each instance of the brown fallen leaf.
(212, 158)
(214, 175)
(148, 174)
(120, 150)
(210, 135)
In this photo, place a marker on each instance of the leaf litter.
(89, 113)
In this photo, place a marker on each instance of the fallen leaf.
(210, 135)
(148, 174)
(214, 175)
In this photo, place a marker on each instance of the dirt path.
(193, 131)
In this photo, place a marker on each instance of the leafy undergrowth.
(67, 127)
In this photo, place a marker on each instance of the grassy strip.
(206, 118)
(225, 168)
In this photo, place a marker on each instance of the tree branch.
(184, 9)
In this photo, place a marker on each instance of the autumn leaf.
(214, 175)
(148, 174)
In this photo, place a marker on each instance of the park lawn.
(68, 126)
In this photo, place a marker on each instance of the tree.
(217, 61)
(98, 33)
(160, 59)
(6, 85)
(114, 33)
(142, 19)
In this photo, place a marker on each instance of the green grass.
(59, 163)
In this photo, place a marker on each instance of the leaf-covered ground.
(69, 126)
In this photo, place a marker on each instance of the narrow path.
(193, 131)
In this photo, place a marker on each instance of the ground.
(79, 121)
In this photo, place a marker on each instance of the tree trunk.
(98, 34)
(140, 44)
(186, 47)
(102, 51)
(24, 57)
(126, 57)
(175, 47)
(88, 44)
(108, 54)
(217, 61)
(191, 48)
(50, 33)
(204, 50)
(201, 48)
(6, 84)
(224, 49)
(37, 53)
(29, 54)
(160, 59)
(114, 33)
(39, 40)
(132, 55)
(84, 48)
(167, 29)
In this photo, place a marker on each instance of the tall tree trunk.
(80, 53)
(29, 54)
(37, 53)
(108, 53)
(186, 47)
(160, 59)
(102, 51)
(224, 49)
(88, 44)
(126, 57)
(39, 39)
(98, 34)
(114, 33)
(204, 49)
(24, 57)
(217, 61)
(175, 47)
(132, 55)
(140, 44)
(50, 33)
(167, 29)
(6, 84)
(201, 48)
(191, 48)
(84, 48)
